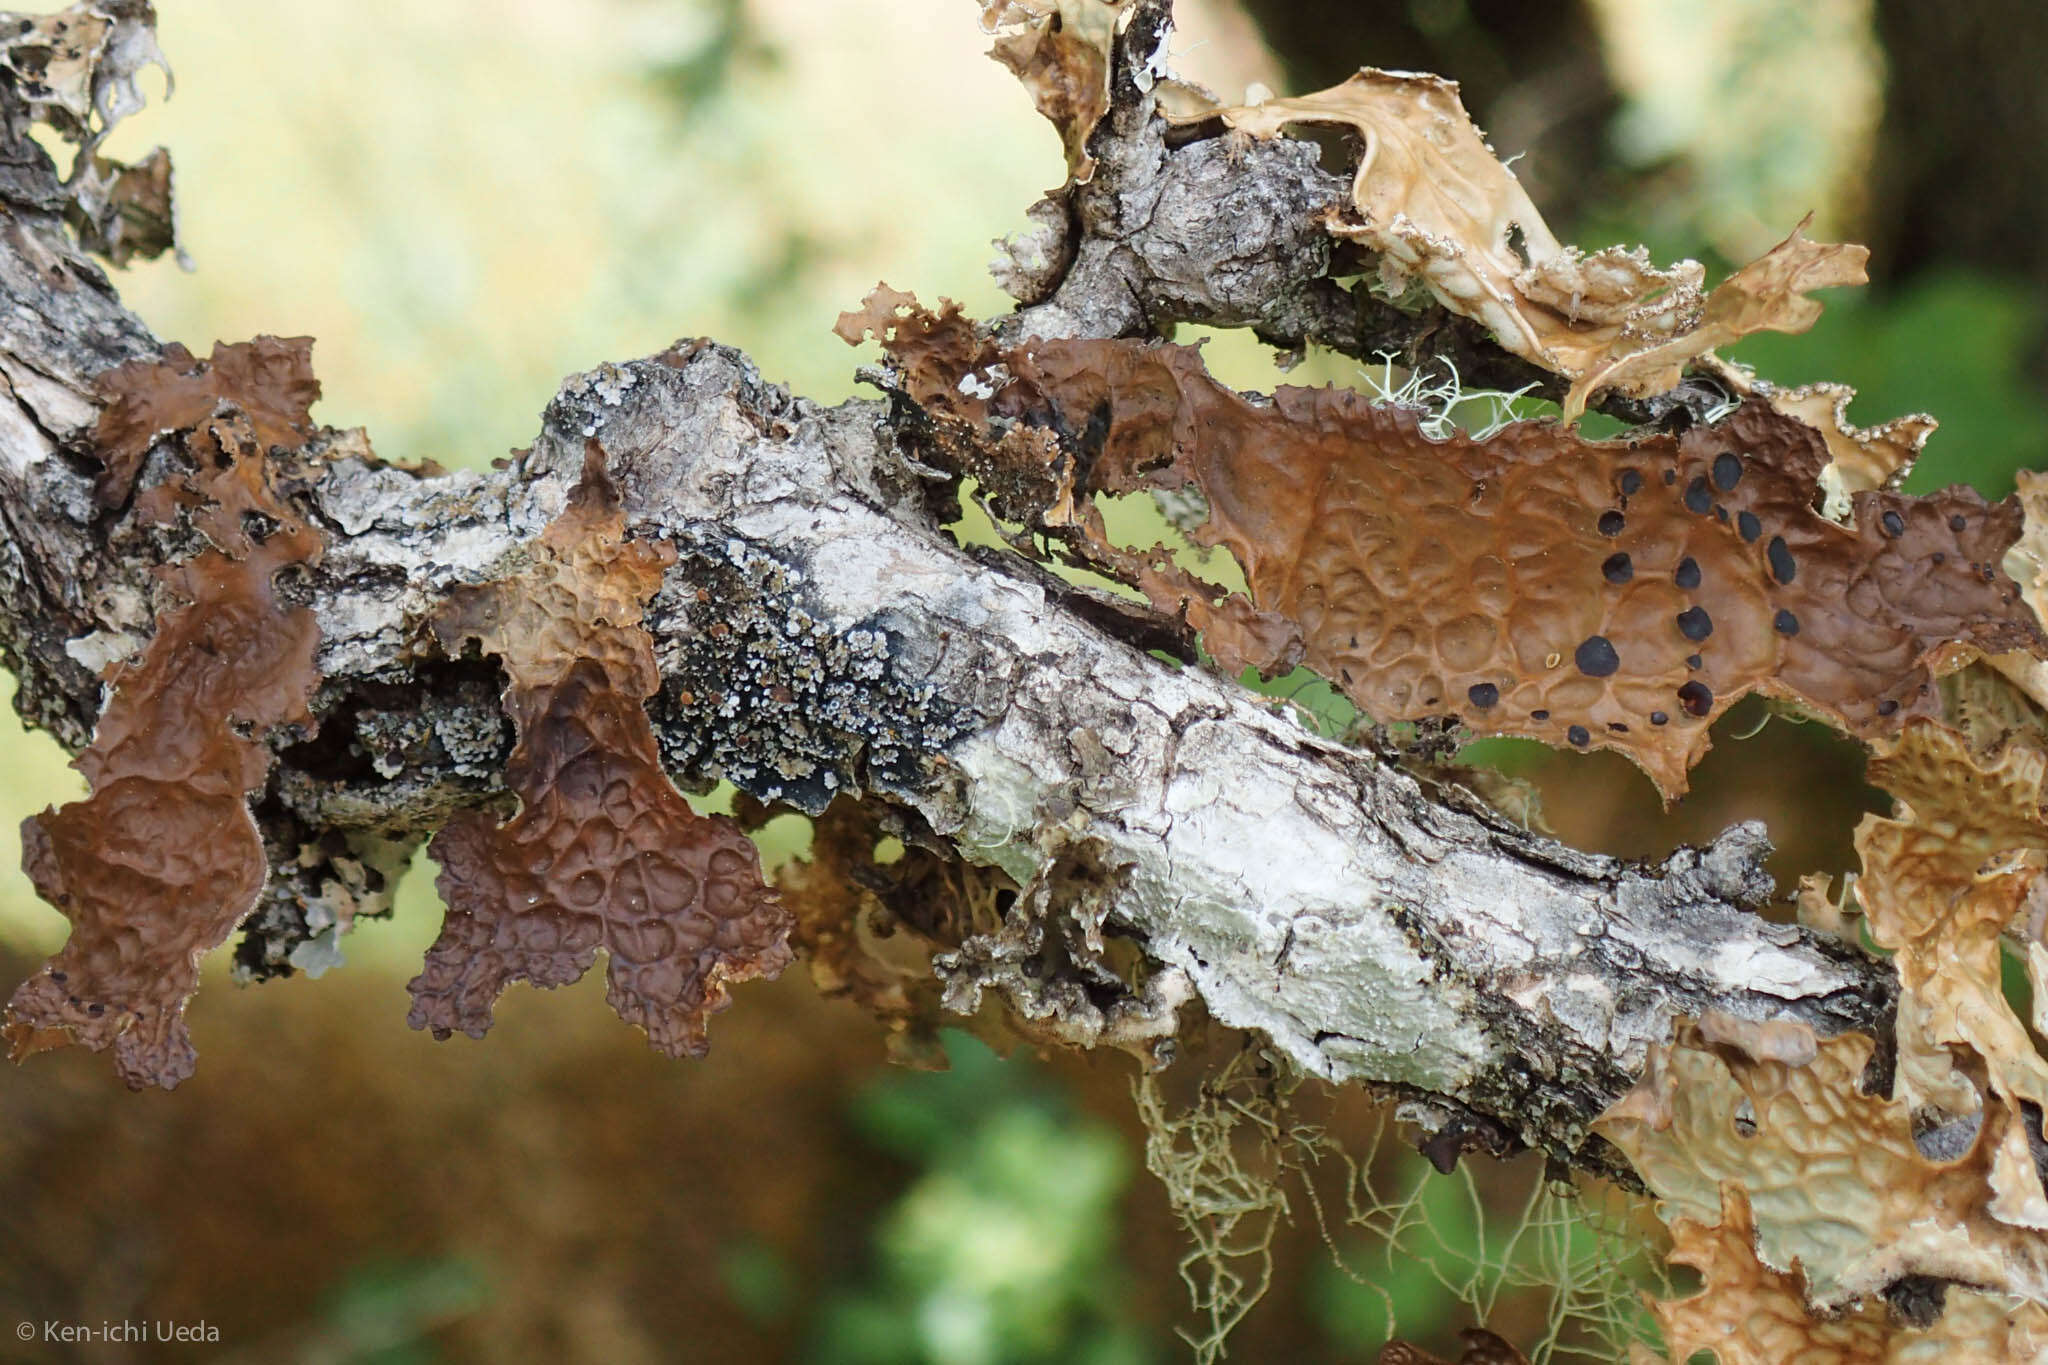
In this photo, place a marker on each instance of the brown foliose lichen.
(604, 852)
(163, 860)
(1591, 594)
(268, 380)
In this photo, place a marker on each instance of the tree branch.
(821, 634)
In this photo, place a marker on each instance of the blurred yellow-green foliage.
(464, 202)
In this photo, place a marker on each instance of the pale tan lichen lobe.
(1060, 51)
(604, 852)
(1747, 1313)
(1431, 199)
(1840, 1187)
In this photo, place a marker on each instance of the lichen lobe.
(604, 852)
(163, 860)
(1591, 594)
(268, 381)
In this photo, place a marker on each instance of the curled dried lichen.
(1063, 975)
(76, 72)
(869, 930)
(1431, 198)
(604, 852)
(924, 940)
(1060, 51)
(77, 68)
(1746, 1313)
(1839, 1185)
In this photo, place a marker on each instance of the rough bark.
(822, 634)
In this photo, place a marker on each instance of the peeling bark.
(820, 633)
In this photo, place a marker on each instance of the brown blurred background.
(468, 200)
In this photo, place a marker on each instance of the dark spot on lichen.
(1659, 718)
(1612, 522)
(1670, 477)
(1595, 657)
(1887, 706)
(1785, 622)
(1694, 624)
(1696, 697)
(1483, 695)
(1688, 575)
(1631, 483)
(1727, 470)
(1617, 727)
(1698, 499)
(1956, 522)
(1939, 557)
(1539, 715)
(1618, 568)
(1918, 1300)
(1783, 567)
(1894, 525)
(1694, 661)
(1579, 736)
(1750, 527)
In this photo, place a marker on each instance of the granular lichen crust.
(782, 701)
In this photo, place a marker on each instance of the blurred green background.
(468, 200)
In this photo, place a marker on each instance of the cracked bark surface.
(820, 633)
